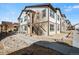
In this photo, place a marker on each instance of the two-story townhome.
(41, 19)
(63, 23)
(58, 19)
(68, 24)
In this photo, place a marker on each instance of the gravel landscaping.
(16, 44)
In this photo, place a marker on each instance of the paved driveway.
(76, 38)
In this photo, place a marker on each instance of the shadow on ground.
(6, 34)
(36, 49)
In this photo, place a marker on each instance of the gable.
(47, 5)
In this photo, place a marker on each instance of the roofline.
(21, 13)
(59, 10)
(42, 5)
(68, 21)
(39, 5)
(63, 15)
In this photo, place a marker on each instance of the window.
(57, 17)
(58, 27)
(44, 13)
(52, 14)
(25, 28)
(21, 20)
(25, 18)
(51, 27)
(60, 19)
(38, 16)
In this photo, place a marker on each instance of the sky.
(11, 11)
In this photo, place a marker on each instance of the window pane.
(52, 13)
(21, 20)
(51, 27)
(44, 13)
(58, 27)
(57, 17)
(25, 28)
(25, 18)
(38, 16)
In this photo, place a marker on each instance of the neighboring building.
(8, 26)
(76, 26)
(68, 25)
(15, 25)
(63, 23)
(41, 19)
(58, 20)
(0, 27)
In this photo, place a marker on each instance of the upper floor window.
(25, 28)
(58, 17)
(38, 16)
(21, 20)
(52, 14)
(51, 27)
(25, 18)
(58, 28)
(44, 13)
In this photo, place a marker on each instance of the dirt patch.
(1, 46)
(36, 50)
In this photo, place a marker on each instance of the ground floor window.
(58, 28)
(25, 28)
(51, 27)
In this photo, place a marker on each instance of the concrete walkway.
(76, 38)
(64, 49)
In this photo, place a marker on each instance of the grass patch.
(68, 42)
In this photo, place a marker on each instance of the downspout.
(48, 21)
(31, 25)
(56, 23)
(60, 25)
(18, 25)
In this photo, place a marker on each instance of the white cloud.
(6, 19)
(70, 8)
(0, 22)
(76, 6)
(9, 19)
(67, 9)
